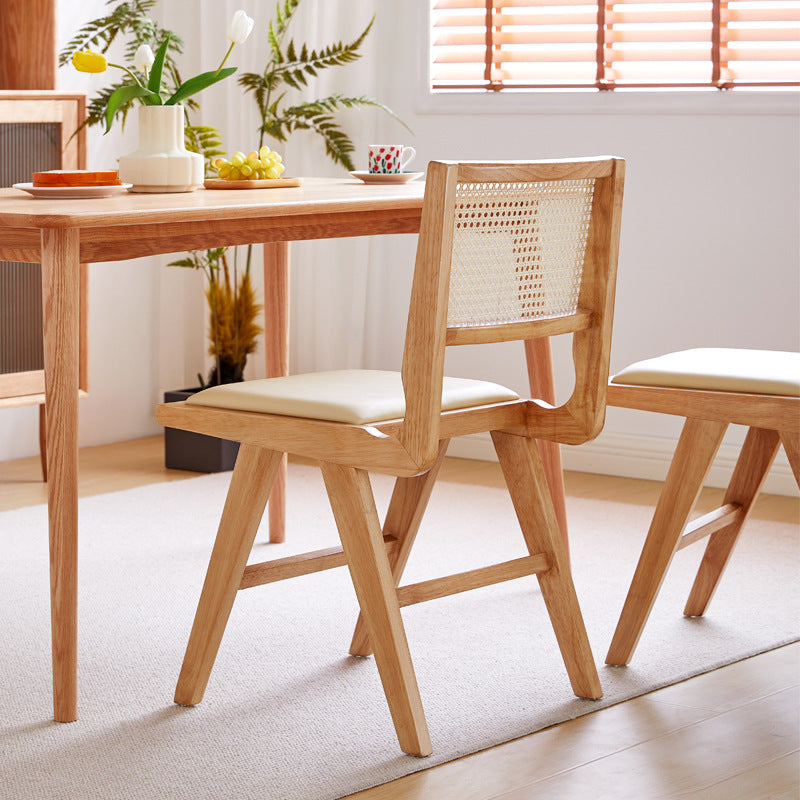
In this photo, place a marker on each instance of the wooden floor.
(732, 734)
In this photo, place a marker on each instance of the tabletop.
(19, 209)
(131, 225)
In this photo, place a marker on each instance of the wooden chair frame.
(413, 448)
(772, 420)
(68, 110)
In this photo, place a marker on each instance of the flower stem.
(225, 59)
(125, 69)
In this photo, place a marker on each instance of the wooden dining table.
(63, 234)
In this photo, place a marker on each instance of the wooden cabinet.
(37, 132)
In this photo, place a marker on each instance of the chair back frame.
(427, 335)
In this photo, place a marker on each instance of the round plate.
(389, 177)
(275, 183)
(71, 192)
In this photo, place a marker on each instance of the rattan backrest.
(518, 250)
(513, 250)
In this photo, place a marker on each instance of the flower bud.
(144, 58)
(240, 27)
(87, 61)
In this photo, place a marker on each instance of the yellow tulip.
(87, 61)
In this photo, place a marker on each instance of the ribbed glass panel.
(25, 147)
(20, 317)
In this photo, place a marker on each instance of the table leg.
(276, 351)
(61, 303)
(539, 358)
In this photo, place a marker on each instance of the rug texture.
(288, 715)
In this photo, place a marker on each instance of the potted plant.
(233, 333)
(233, 310)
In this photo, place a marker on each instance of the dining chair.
(712, 388)
(506, 251)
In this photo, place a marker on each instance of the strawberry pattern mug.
(389, 158)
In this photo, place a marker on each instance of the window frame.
(590, 100)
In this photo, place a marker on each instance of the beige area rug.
(288, 715)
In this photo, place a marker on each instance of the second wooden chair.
(506, 251)
(712, 388)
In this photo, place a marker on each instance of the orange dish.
(76, 177)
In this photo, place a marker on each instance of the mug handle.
(408, 155)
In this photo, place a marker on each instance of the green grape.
(262, 164)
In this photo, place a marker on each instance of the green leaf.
(122, 96)
(274, 44)
(296, 79)
(284, 15)
(198, 83)
(274, 128)
(205, 140)
(154, 83)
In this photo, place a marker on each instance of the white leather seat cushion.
(719, 369)
(357, 396)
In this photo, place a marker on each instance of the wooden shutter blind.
(561, 44)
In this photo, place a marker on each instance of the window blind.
(560, 44)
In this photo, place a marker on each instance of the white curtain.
(330, 279)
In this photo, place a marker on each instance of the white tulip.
(240, 27)
(144, 58)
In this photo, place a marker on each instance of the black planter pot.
(195, 451)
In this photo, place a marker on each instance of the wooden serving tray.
(274, 183)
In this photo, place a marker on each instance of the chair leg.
(697, 447)
(251, 482)
(527, 484)
(359, 529)
(403, 517)
(791, 444)
(539, 360)
(43, 440)
(758, 453)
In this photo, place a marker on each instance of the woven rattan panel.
(518, 251)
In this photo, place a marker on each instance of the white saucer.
(71, 192)
(389, 177)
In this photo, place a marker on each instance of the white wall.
(710, 240)
(710, 251)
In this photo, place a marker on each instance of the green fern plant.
(290, 66)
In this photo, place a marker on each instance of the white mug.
(389, 158)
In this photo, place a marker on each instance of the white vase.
(161, 163)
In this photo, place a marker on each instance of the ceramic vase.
(161, 163)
